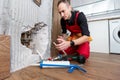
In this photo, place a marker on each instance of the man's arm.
(81, 40)
(82, 22)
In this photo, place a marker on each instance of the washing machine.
(114, 26)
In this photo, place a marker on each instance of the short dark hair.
(63, 1)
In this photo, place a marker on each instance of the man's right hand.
(59, 39)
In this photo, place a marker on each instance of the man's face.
(64, 10)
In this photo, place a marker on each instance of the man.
(76, 23)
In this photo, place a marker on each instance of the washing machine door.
(116, 34)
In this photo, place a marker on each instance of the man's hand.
(62, 44)
(59, 37)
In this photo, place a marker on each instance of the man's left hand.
(63, 44)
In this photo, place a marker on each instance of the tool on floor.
(60, 64)
(74, 58)
(60, 56)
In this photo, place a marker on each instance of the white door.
(99, 33)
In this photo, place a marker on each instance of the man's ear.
(70, 7)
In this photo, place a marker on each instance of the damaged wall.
(18, 16)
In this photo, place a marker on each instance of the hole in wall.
(27, 36)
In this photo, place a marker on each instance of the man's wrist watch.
(72, 43)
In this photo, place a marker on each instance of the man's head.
(64, 9)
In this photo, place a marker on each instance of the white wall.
(117, 4)
(99, 32)
(103, 5)
(97, 7)
(15, 17)
(76, 3)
